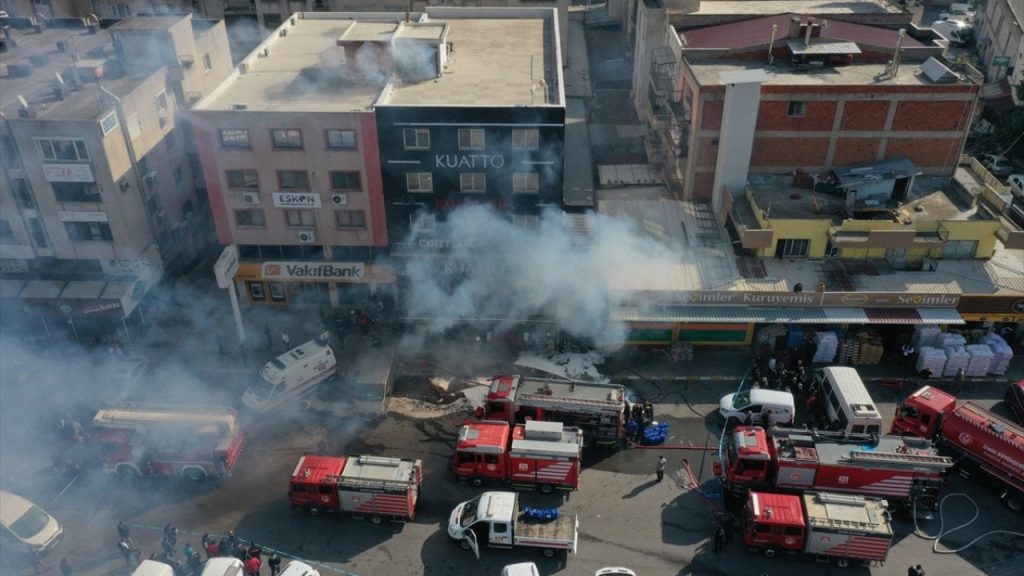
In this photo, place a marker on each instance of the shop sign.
(1001, 61)
(90, 216)
(226, 266)
(472, 161)
(452, 266)
(104, 307)
(296, 199)
(68, 173)
(338, 271)
(826, 299)
(108, 123)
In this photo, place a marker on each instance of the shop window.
(471, 139)
(416, 138)
(276, 291)
(526, 139)
(234, 138)
(341, 139)
(287, 138)
(960, 249)
(256, 291)
(473, 182)
(346, 181)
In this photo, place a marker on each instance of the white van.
(777, 404)
(847, 402)
(153, 568)
(296, 568)
(521, 569)
(223, 566)
(26, 527)
(371, 380)
(292, 374)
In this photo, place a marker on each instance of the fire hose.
(942, 532)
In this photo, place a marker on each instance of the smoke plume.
(505, 273)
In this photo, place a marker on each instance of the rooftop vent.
(239, 106)
(243, 68)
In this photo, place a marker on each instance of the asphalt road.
(626, 518)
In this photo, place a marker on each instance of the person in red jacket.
(252, 566)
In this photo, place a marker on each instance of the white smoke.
(505, 273)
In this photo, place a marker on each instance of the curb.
(870, 379)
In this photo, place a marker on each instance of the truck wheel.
(376, 519)
(1014, 502)
(477, 482)
(843, 562)
(313, 510)
(464, 544)
(195, 474)
(127, 473)
(548, 552)
(769, 552)
(546, 488)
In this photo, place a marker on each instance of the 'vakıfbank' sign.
(338, 271)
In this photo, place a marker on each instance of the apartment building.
(99, 193)
(344, 130)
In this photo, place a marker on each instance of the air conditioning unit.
(251, 197)
(149, 180)
(307, 237)
(339, 199)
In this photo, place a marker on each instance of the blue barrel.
(656, 434)
(540, 514)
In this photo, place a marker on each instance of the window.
(5, 231)
(242, 179)
(346, 181)
(23, 194)
(419, 182)
(171, 140)
(960, 249)
(286, 138)
(76, 191)
(38, 235)
(299, 218)
(471, 139)
(526, 221)
(525, 183)
(350, 218)
(207, 63)
(256, 291)
(153, 205)
(423, 222)
(526, 139)
(341, 139)
(271, 22)
(9, 152)
(179, 176)
(88, 231)
(293, 179)
(63, 150)
(473, 182)
(796, 109)
(234, 138)
(793, 248)
(416, 138)
(251, 218)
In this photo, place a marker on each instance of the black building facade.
(435, 159)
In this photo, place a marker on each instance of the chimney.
(815, 30)
(794, 27)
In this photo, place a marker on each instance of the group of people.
(776, 374)
(250, 556)
(638, 417)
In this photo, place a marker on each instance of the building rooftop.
(758, 31)
(78, 57)
(708, 73)
(340, 62)
(730, 7)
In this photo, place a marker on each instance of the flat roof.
(708, 7)
(755, 32)
(320, 64)
(866, 74)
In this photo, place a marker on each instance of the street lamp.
(67, 314)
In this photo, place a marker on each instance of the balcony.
(240, 8)
(664, 70)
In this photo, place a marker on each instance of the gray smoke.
(508, 274)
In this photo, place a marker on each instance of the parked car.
(997, 164)
(222, 566)
(1015, 400)
(25, 526)
(521, 569)
(958, 11)
(1016, 184)
(617, 571)
(296, 568)
(777, 404)
(153, 568)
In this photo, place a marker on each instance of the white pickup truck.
(495, 519)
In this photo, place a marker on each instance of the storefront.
(731, 318)
(312, 284)
(1003, 315)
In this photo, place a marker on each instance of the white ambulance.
(292, 374)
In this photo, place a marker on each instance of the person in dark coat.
(195, 564)
(719, 539)
(748, 419)
(123, 531)
(275, 564)
(65, 567)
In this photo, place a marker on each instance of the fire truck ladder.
(558, 402)
(170, 408)
(940, 462)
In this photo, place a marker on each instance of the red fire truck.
(903, 470)
(536, 454)
(598, 409)
(371, 486)
(168, 440)
(839, 527)
(981, 442)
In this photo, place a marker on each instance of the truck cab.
(536, 454)
(774, 522)
(314, 483)
(921, 414)
(747, 458)
(494, 518)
